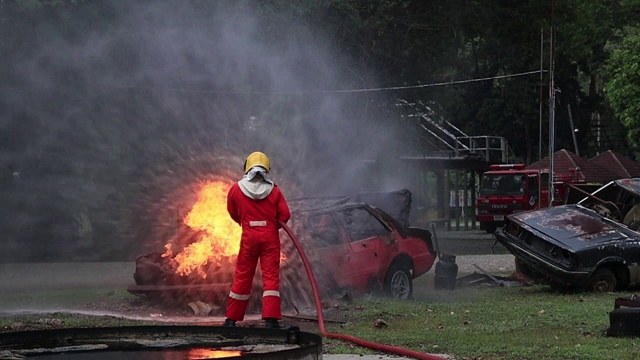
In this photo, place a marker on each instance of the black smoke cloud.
(111, 111)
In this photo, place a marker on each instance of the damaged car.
(353, 246)
(593, 245)
(366, 249)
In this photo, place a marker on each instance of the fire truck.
(509, 188)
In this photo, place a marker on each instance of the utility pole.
(540, 186)
(552, 104)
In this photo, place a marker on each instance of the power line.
(455, 82)
(335, 91)
(391, 88)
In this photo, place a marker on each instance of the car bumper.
(491, 218)
(422, 264)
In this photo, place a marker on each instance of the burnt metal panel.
(630, 185)
(574, 226)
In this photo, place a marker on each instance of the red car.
(363, 248)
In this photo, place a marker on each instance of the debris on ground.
(380, 324)
(480, 279)
(201, 308)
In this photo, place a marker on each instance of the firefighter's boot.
(272, 324)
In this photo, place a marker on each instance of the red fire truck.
(510, 188)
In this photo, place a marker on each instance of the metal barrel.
(446, 273)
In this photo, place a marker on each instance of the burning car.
(592, 245)
(352, 246)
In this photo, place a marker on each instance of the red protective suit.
(257, 206)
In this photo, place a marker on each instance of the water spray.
(316, 295)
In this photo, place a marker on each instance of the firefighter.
(256, 203)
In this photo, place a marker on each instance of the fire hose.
(316, 295)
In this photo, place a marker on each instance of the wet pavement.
(470, 242)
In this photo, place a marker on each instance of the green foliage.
(623, 90)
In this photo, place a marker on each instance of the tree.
(623, 89)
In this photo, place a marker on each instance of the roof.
(618, 164)
(396, 204)
(566, 162)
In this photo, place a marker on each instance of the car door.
(367, 256)
(331, 246)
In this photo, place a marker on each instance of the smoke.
(113, 112)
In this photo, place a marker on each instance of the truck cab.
(509, 188)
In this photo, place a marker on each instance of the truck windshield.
(503, 184)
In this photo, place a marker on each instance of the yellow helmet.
(257, 159)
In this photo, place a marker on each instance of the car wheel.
(602, 280)
(399, 284)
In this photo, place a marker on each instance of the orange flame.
(221, 237)
(213, 353)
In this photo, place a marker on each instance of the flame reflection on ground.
(196, 354)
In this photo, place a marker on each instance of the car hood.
(630, 185)
(574, 226)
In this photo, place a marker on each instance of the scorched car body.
(584, 245)
(364, 248)
(352, 246)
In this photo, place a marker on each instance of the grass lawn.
(492, 323)
(471, 323)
